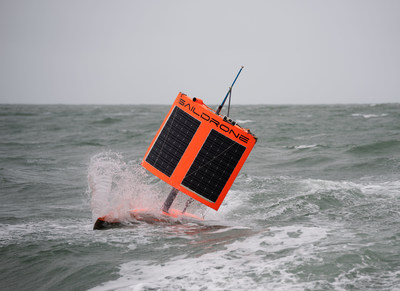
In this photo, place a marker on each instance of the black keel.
(102, 224)
(170, 199)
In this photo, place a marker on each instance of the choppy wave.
(251, 263)
(285, 240)
(380, 147)
(108, 120)
(315, 207)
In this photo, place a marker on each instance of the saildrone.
(198, 152)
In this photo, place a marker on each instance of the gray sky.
(145, 52)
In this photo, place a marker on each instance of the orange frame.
(209, 120)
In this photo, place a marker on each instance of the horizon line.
(166, 104)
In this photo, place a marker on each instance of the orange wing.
(198, 152)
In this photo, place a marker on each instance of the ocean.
(315, 207)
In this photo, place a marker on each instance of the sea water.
(315, 207)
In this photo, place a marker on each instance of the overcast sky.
(145, 52)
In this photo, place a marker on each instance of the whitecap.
(300, 147)
(368, 115)
(268, 256)
(244, 121)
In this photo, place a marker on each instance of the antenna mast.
(174, 192)
(229, 94)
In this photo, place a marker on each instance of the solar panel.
(198, 152)
(172, 141)
(213, 166)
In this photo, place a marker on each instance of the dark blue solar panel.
(172, 141)
(213, 166)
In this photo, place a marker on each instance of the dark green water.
(316, 206)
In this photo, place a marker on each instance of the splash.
(115, 187)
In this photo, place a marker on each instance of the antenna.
(229, 93)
